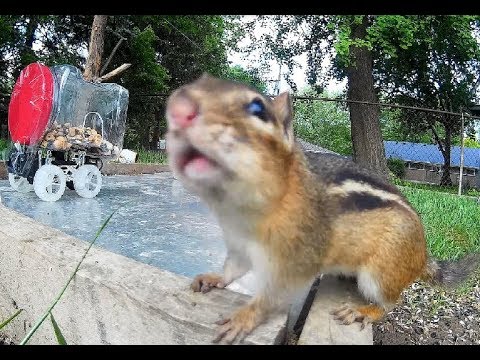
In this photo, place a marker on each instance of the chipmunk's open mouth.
(193, 162)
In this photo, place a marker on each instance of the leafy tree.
(471, 143)
(250, 77)
(323, 123)
(319, 37)
(165, 52)
(436, 66)
(428, 61)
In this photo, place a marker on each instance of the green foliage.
(431, 72)
(323, 123)
(4, 148)
(250, 77)
(151, 157)
(397, 167)
(4, 144)
(58, 333)
(148, 73)
(471, 143)
(165, 52)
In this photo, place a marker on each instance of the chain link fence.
(413, 156)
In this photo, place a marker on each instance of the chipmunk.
(288, 215)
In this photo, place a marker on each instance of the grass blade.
(3, 324)
(58, 332)
(57, 299)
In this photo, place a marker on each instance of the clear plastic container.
(85, 115)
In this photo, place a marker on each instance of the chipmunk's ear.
(284, 112)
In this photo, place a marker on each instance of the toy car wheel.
(19, 183)
(49, 183)
(87, 181)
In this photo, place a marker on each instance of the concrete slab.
(320, 328)
(112, 300)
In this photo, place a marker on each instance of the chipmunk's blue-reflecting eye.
(257, 108)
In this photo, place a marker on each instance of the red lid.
(31, 104)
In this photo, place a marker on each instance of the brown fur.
(308, 215)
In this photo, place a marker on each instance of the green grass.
(444, 189)
(151, 157)
(452, 223)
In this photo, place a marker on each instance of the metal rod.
(462, 142)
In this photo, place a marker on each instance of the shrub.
(397, 167)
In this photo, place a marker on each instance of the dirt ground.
(5, 340)
(432, 316)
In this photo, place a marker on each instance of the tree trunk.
(368, 148)
(447, 145)
(27, 55)
(155, 135)
(95, 49)
(145, 138)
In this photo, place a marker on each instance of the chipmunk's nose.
(181, 112)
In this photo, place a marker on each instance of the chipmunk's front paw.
(362, 314)
(205, 282)
(238, 326)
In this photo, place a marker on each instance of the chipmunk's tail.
(451, 273)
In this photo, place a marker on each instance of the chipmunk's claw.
(230, 331)
(237, 326)
(347, 315)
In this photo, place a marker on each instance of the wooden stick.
(113, 73)
(111, 55)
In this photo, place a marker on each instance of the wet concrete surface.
(158, 221)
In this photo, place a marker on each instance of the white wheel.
(49, 183)
(87, 181)
(19, 183)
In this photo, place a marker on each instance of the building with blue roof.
(424, 162)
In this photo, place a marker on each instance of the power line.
(185, 36)
(297, 97)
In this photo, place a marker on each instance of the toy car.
(63, 128)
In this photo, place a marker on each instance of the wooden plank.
(320, 327)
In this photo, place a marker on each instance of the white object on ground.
(49, 183)
(19, 183)
(127, 156)
(87, 181)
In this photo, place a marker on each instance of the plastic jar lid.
(31, 104)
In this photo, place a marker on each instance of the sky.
(299, 72)
(298, 76)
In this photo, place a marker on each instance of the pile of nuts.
(62, 137)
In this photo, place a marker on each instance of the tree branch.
(113, 73)
(111, 55)
(437, 138)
